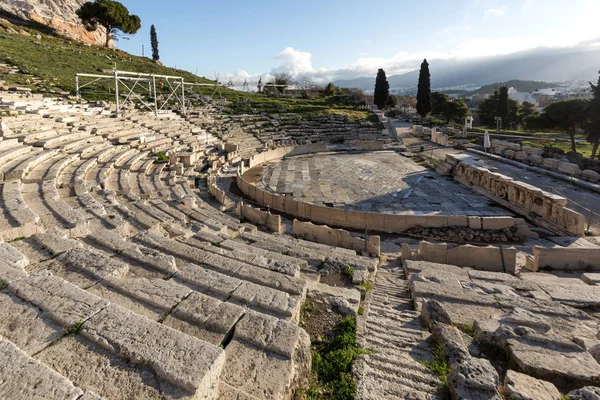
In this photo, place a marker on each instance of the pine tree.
(424, 90)
(111, 15)
(154, 42)
(382, 90)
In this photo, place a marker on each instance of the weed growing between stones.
(469, 330)
(439, 365)
(366, 285)
(331, 364)
(75, 329)
(161, 157)
(348, 271)
(307, 307)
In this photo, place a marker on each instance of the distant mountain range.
(542, 64)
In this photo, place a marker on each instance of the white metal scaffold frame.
(132, 85)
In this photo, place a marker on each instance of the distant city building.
(522, 97)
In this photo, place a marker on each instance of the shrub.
(332, 363)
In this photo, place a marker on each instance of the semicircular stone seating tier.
(112, 286)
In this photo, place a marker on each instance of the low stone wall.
(217, 193)
(337, 237)
(564, 258)
(369, 145)
(281, 152)
(534, 156)
(545, 208)
(259, 217)
(485, 258)
(393, 223)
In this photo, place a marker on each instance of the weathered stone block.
(569, 168)
(535, 159)
(497, 223)
(475, 222)
(519, 386)
(590, 175)
(433, 252)
(26, 378)
(521, 156)
(551, 163)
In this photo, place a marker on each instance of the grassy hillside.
(50, 63)
(55, 60)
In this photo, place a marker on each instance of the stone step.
(187, 364)
(261, 298)
(372, 383)
(224, 265)
(270, 261)
(24, 377)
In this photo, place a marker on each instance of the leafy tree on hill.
(493, 107)
(283, 79)
(526, 110)
(382, 90)
(455, 110)
(154, 43)
(424, 90)
(392, 101)
(568, 115)
(539, 122)
(438, 102)
(329, 89)
(111, 15)
(593, 127)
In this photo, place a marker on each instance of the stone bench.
(106, 332)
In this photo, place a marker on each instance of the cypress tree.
(382, 90)
(593, 128)
(154, 42)
(424, 90)
(503, 107)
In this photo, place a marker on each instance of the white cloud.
(294, 61)
(494, 11)
(300, 62)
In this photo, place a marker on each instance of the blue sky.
(343, 39)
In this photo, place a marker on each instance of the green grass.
(56, 60)
(161, 157)
(468, 329)
(52, 62)
(332, 364)
(439, 365)
(366, 285)
(584, 148)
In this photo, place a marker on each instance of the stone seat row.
(122, 328)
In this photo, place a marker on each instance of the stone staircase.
(392, 334)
